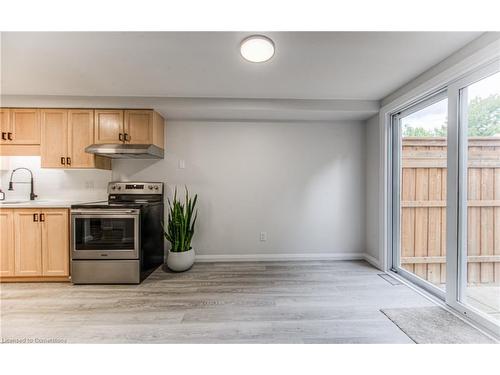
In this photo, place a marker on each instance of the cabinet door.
(4, 125)
(108, 125)
(55, 242)
(27, 242)
(80, 135)
(25, 125)
(54, 145)
(7, 265)
(158, 130)
(139, 126)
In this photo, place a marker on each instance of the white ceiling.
(307, 65)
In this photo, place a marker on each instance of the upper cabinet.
(5, 125)
(159, 125)
(144, 127)
(25, 126)
(132, 126)
(19, 131)
(60, 136)
(138, 127)
(54, 148)
(108, 126)
(65, 135)
(80, 136)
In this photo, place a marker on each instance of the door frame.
(395, 157)
(456, 242)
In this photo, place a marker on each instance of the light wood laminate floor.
(271, 302)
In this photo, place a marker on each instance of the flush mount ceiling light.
(257, 48)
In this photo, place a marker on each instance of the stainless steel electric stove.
(118, 241)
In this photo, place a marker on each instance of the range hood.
(126, 151)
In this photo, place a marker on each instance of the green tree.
(483, 119)
(418, 131)
(484, 116)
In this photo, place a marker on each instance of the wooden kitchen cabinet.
(34, 244)
(108, 126)
(4, 125)
(19, 131)
(65, 135)
(25, 126)
(144, 127)
(138, 126)
(132, 126)
(27, 242)
(55, 241)
(81, 135)
(7, 264)
(60, 136)
(159, 126)
(54, 138)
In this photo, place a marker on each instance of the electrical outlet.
(263, 236)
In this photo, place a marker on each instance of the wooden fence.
(423, 209)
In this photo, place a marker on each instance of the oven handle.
(104, 212)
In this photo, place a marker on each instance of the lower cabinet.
(27, 242)
(34, 244)
(55, 243)
(7, 262)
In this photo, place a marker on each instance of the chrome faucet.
(32, 194)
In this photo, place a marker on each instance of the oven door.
(105, 234)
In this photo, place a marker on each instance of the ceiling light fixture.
(257, 48)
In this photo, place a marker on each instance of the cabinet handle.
(42, 217)
(68, 160)
(63, 161)
(35, 217)
(127, 137)
(9, 135)
(4, 138)
(120, 137)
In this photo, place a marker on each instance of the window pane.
(423, 193)
(482, 116)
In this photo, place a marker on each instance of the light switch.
(182, 164)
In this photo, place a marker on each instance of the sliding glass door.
(445, 181)
(420, 172)
(478, 248)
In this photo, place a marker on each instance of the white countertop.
(47, 203)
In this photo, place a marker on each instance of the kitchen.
(37, 231)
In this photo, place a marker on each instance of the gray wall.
(372, 186)
(302, 183)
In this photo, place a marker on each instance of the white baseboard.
(372, 260)
(277, 257)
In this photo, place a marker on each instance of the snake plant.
(180, 228)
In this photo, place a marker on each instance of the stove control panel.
(135, 188)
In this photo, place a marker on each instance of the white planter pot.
(179, 262)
